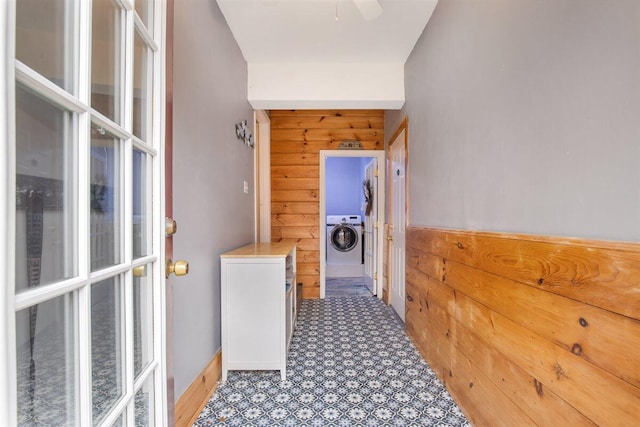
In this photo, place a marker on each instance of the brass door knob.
(170, 226)
(179, 268)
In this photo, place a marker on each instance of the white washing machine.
(344, 245)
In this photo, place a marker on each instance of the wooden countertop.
(264, 250)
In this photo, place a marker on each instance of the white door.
(83, 299)
(398, 223)
(370, 220)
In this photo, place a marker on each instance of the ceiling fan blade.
(370, 9)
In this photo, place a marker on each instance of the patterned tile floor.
(350, 364)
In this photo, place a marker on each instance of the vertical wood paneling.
(519, 327)
(296, 140)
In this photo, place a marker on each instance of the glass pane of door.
(145, 11)
(105, 198)
(44, 36)
(105, 59)
(46, 195)
(142, 317)
(46, 363)
(141, 204)
(106, 346)
(144, 404)
(141, 82)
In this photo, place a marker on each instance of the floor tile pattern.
(350, 364)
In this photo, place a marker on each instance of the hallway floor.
(350, 364)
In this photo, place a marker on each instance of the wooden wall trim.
(528, 329)
(194, 399)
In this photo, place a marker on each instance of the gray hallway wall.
(523, 117)
(210, 164)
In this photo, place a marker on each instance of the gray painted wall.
(524, 116)
(210, 164)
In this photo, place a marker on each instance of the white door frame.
(380, 201)
(262, 166)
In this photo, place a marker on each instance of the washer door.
(343, 238)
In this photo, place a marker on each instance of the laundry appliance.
(344, 246)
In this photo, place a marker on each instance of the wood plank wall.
(526, 330)
(297, 136)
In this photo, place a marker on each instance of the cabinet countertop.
(264, 250)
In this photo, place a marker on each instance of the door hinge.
(375, 276)
(376, 173)
(375, 225)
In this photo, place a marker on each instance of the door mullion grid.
(82, 67)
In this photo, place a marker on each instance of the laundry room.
(349, 201)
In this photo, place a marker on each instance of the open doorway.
(351, 215)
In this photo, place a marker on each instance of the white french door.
(83, 251)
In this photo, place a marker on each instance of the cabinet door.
(254, 301)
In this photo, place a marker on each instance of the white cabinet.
(258, 306)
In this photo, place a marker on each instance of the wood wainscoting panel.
(528, 330)
(297, 136)
(196, 396)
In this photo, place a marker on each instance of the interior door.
(85, 264)
(370, 221)
(397, 153)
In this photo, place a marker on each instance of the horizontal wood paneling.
(561, 357)
(296, 140)
(302, 146)
(295, 196)
(297, 159)
(285, 208)
(320, 135)
(304, 171)
(329, 122)
(295, 220)
(291, 183)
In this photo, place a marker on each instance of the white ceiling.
(306, 32)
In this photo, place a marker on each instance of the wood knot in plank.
(470, 385)
(559, 371)
(538, 386)
(576, 349)
(583, 322)
(540, 281)
(450, 373)
(460, 245)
